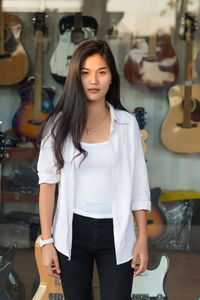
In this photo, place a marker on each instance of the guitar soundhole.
(195, 109)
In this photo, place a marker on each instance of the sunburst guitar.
(181, 129)
(50, 287)
(13, 58)
(37, 101)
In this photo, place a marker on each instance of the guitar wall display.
(180, 131)
(151, 62)
(149, 285)
(37, 101)
(73, 30)
(13, 58)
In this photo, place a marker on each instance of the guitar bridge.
(187, 125)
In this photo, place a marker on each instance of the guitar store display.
(181, 129)
(13, 58)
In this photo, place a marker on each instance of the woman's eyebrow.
(102, 68)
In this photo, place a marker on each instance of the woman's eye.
(84, 73)
(102, 72)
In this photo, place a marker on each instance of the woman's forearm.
(46, 208)
(141, 223)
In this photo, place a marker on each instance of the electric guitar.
(37, 101)
(73, 30)
(11, 285)
(49, 287)
(151, 62)
(181, 129)
(141, 119)
(13, 58)
(149, 285)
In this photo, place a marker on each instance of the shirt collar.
(115, 118)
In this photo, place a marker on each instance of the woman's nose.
(94, 78)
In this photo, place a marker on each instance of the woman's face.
(96, 78)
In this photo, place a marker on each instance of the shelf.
(20, 152)
(12, 196)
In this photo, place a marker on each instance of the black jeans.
(93, 239)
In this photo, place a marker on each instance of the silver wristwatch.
(45, 242)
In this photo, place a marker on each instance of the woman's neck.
(96, 112)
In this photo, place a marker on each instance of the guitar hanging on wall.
(180, 131)
(13, 58)
(37, 101)
(73, 30)
(151, 62)
(140, 115)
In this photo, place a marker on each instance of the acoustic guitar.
(13, 58)
(151, 62)
(73, 30)
(180, 131)
(37, 101)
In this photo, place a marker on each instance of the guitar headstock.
(2, 145)
(39, 22)
(141, 117)
(190, 26)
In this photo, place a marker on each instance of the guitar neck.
(188, 83)
(38, 77)
(1, 29)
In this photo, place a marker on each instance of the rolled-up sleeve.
(46, 165)
(141, 190)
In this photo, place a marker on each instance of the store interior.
(156, 45)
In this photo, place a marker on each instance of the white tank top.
(93, 182)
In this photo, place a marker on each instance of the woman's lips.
(93, 91)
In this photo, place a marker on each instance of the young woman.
(91, 146)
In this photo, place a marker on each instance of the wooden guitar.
(37, 101)
(50, 287)
(151, 62)
(13, 58)
(181, 129)
(149, 285)
(141, 119)
(73, 30)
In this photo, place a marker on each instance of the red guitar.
(37, 101)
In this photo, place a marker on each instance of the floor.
(182, 281)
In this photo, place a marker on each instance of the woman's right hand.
(50, 260)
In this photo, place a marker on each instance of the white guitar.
(149, 285)
(73, 30)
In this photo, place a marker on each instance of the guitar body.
(21, 120)
(50, 287)
(149, 285)
(174, 137)
(61, 57)
(155, 219)
(152, 71)
(14, 61)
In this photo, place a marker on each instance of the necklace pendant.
(88, 131)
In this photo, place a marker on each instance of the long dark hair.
(69, 116)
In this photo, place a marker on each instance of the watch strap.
(45, 242)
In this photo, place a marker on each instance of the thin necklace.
(89, 131)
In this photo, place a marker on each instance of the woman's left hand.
(140, 256)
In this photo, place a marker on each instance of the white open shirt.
(130, 184)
